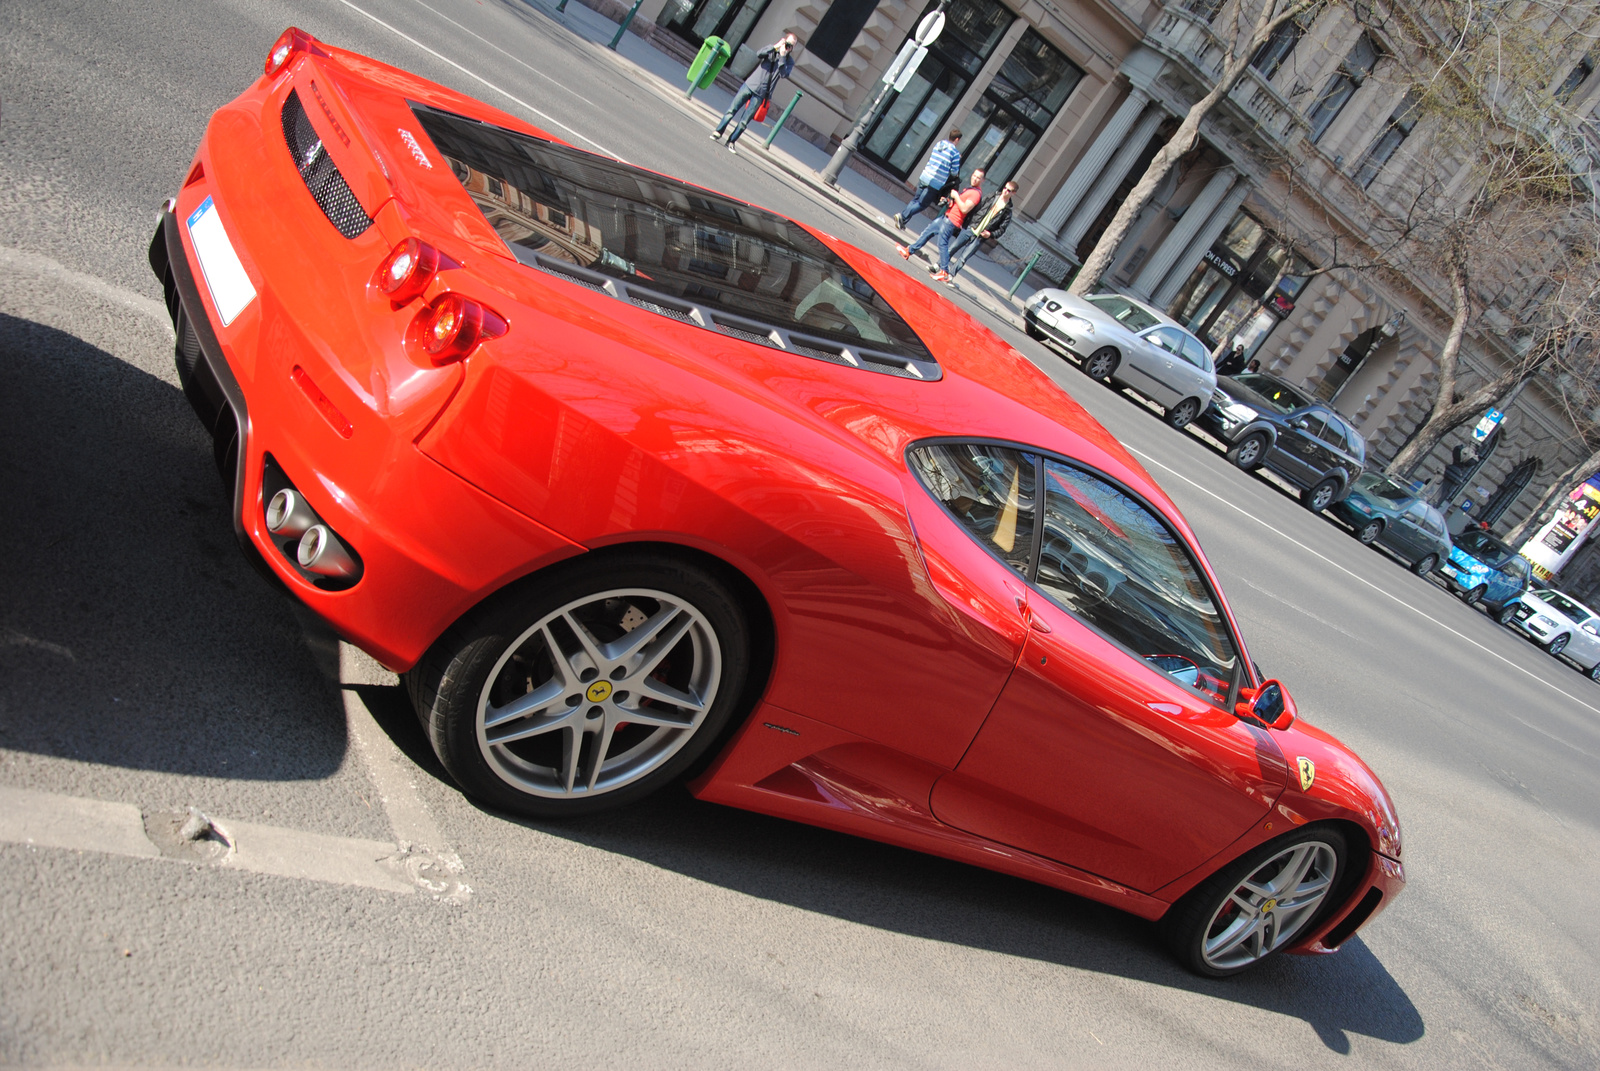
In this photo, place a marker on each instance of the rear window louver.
(320, 174)
(803, 345)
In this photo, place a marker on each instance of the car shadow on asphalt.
(133, 632)
(893, 889)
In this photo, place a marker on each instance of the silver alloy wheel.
(1248, 452)
(1321, 496)
(1181, 414)
(1370, 531)
(1594, 672)
(1427, 564)
(598, 693)
(1101, 363)
(1271, 907)
(1559, 644)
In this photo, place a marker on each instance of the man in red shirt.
(947, 226)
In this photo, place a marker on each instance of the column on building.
(1203, 240)
(1110, 177)
(1165, 255)
(1093, 161)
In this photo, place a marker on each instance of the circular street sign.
(928, 29)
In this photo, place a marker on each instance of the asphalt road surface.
(145, 669)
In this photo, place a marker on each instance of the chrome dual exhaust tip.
(321, 552)
(288, 514)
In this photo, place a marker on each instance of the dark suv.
(1265, 421)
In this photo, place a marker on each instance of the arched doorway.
(1514, 484)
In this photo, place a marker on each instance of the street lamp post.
(893, 80)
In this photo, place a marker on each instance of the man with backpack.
(942, 167)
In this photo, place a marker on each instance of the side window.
(1418, 513)
(1195, 353)
(1315, 426)
(1332, 433)
(989, 489)
(1166, 338)
(1106, 558)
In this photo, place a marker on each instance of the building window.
(1018, 105)
(1575, 78)
(696, 20)
(1277, 48)
(902, 136)
(1396, 130)
(1227, 296)
(1342, 86)
(837, 31)
(1206, 9)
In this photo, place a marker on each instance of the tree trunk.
(1439, 422)
(1182, 140)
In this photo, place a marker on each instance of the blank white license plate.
(231, 289)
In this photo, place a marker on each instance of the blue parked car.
(1484, 570)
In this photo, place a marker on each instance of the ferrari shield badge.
(1308, 773)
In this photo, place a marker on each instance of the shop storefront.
(1017, 106)
(1227, 295)
(696, 20)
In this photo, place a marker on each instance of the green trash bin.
(707, 63)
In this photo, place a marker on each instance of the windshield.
(557, 203)
(1125, 312)
(1561, 603)
(1277, 393)
(1481, 545)
(1379, 486)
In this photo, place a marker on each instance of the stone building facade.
(1073, 97)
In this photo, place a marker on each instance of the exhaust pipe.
(288, 514)
(323, 554)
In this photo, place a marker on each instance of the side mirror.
(1302, 423)
(1269, 705)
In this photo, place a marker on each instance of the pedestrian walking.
(947, 226)
(773, 65)
(943, 165)
(993, 217)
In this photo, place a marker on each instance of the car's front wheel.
(1319, 496)
(1476, 595)
(1594, 672)
(1248, 452)
(1102, 363)
(1181, 414)
(1369, 532)
(1559, 644)
(1259, 904)
(586, 687)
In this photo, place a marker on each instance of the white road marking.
(549, 120)
(1298, 609)
(390, 772)
(50, 821)
(19, 260)
(1388, 595)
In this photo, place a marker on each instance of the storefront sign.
(1221, 263)
(1554, 545)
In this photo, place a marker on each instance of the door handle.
(1037, 623)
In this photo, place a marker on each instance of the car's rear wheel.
(587, 687)
(1101, 363)
(1319, 496)
(1507, 614)
(1559, 644)
(1369, 532)
(1425, 564)
(1248, 452)
(1259, 904)
(1181, 414)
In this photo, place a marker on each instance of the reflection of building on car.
(1560, 623)
(637, 483)
(1128, 343)
(1484, 570)
(1265, 421)
(1380, 511)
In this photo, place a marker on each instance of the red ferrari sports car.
(637, 482)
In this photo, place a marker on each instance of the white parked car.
(1562, 624)
(1129, 343)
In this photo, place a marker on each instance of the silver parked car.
(1129, 343)
(1561, 623)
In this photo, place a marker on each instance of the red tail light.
(408, 269)
(324, 405)
(450, 327)
(284, 48)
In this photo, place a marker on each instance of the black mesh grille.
(748, 336)
(822, 355)
(664, 310)
(321, 175)
(893, 368)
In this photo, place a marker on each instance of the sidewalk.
(982, 282)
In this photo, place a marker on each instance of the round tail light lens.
(450, 327)
(288, 43)
(406, 272)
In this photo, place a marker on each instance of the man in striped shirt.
(944, 163)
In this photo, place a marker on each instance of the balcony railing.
(1186, 36)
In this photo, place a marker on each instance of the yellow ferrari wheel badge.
(1269, 907)
(1308, 773)
(600, 691)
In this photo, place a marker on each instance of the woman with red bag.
(773, 65)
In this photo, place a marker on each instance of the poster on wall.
(1554, 545)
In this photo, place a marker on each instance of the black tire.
(1559, 644)
(703, 641)
(1369, 532)
(1320, 495)
(1594, 672)
(1102, 363)
(1249, 452)
(1209, 911)
(1508, 613)
(1425, 564)
(1181, 414)
(1475, 596)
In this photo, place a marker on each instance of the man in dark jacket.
(773, 65)
(989, 220)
